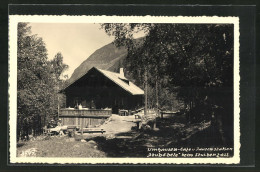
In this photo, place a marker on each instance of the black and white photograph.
(129, 89)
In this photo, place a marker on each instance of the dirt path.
(118, 124)
(113, 126)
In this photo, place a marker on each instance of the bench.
(167, 113)
(92, 130)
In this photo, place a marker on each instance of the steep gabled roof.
(117, 79)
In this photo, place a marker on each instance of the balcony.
(85, 113)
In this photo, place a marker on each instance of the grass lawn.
(58, 147)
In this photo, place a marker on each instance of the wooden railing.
(87, 113)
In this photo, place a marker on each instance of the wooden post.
(154, 124)
(81, 126)
(139, 125)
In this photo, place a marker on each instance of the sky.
(76, 42)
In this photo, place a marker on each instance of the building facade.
(101, 89)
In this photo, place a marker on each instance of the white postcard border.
(15, 19)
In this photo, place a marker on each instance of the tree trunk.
(81, 128)
(157, 96)
(157, 101)
(145, 93)
(58, 106)
(190, 113)
(18, 131)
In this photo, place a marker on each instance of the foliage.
(192, 61)
(37, 82)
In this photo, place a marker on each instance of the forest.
(38, 83)
(189, 63)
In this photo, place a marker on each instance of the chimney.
(121, 73)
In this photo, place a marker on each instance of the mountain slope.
(108, 57)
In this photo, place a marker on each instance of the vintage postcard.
(124, 89)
